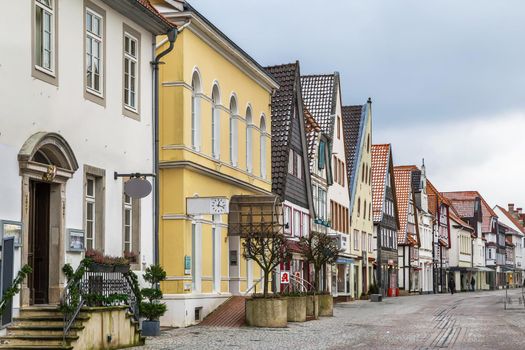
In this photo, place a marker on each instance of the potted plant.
(373, 292)
(132, 257)
(152, 309)
(268, 249)
(321, 251)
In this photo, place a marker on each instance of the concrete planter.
(269, 313)
(312, 306)
(297, 309)
(326, 305)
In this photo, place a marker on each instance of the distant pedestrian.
(452, 286)
(472, 283)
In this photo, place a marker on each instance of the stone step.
(55, 320)
(36, 347)
(37, 340)
(39, 311)
(23, 329)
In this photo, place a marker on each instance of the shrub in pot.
(106, 263)
(152, 309)
(268, 249)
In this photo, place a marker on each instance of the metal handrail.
(99, 285)
(302, 282)
(254, 286)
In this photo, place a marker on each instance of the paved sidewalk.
(462, 321)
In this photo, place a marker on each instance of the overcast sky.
(447, 77)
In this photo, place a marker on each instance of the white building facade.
(77, 107)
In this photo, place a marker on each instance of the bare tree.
(320, 250)
(268, 250)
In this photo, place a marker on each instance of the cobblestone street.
(463, 321)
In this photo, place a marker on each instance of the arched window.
(368, 143)
(215, 123)
(263, 147)
(358, 207)
(234, 138)
(195, 111)
(249, 142)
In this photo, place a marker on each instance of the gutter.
(172, 36)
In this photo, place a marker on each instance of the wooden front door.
(38, 256)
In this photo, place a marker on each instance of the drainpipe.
(379, 262)
(172, 36)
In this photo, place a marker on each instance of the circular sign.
(137, 187)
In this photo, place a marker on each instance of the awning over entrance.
(485, 269)
(255, 214)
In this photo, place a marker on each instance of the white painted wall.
(99, 136)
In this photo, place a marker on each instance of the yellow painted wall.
(179, 177)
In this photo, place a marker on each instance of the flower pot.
(266, 312)
(375, 298)
(150, 328)
(121, 268)
(97, 267)
(312, 306)
(326, 305)
(296, 309)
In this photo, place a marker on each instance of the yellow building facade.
(215, 141)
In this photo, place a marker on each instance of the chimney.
(519, 211)
(511, 207)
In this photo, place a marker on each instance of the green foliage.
(96, 299)
(73, 279)
(15, 287)
(373, 289)
(153, 309)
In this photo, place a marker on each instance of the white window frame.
(249, 140)
(91, 38)
(287, 219)
(91, 200)
(195, 111)
(215, 123)
(297, 220)
(128, 210)
(128, 60)
(50, 11)
(262, 147)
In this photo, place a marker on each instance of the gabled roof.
(464, 201)
(355, 119)
(283, 102)
(312, 130)
(319, 96)
(142, 12)
(435, 199)
(508, 216)
(403, 181)
(380, 163)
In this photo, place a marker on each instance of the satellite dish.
(137, 187)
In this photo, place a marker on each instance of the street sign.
(137, 187)
(285, 277)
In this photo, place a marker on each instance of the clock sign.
(207, 205)
(218, 206)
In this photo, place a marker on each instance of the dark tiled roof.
(283, 102)
(319, 93)
(312, 130)
(353, 120)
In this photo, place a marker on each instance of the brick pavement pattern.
(462, 321)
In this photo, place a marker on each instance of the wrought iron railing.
(99, 289)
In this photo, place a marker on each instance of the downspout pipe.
(172, 36)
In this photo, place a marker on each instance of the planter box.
(326, 305)
(375, 298)
(297, 309)
(96, 267)
(312, 306)
(121, 268)
(269, 313)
